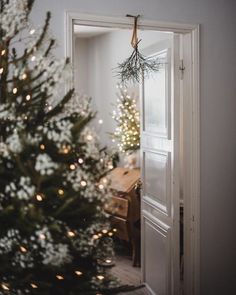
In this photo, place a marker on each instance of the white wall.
(81, 66)
(101, 53)
(218, 115)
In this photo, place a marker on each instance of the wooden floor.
(142, 291)
(128, 275)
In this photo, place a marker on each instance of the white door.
(160, 172)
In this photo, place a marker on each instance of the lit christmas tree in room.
(127, 133)
(53, 182)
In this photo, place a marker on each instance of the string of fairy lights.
(40, 197)
(23, 77)
(78, 273)
(73, 166)
(127, 117)
(70, 234)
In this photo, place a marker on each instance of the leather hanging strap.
(134, 40)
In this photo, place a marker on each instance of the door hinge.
(182, 69)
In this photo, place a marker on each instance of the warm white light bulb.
(104, 180)
(24, 76)
(39, 197)
(71, 234)
(100, 121)
(14, 90)
(80, 161)
(42, 237)
(66, 150)
(32, 31)
(34, 286)
(28, 97)
(5, 287)
(89, 137)
(1, 70)
(3, 52)
(23, 249)
(100, 277)
(101, 186)
(72, 167)
(61, 192)
(83, 183)
(110, 166)
(59, 277)
(78, 273)
(33, 58)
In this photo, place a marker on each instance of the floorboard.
(128, 275)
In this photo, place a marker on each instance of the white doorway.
(179, 151)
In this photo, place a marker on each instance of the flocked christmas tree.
(126, 115)
(53, 182)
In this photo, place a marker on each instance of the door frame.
(190, 113)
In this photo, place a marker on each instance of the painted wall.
(218, 118)
(81, 66)
(102, 54)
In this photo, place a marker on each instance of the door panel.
(157, 256)
(160, 174)
(157, 179)
(156, 107)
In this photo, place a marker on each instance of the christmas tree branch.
(58, 108)
(28, 53)
(65, 206)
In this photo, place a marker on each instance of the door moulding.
(191, 135)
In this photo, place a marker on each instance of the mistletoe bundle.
(137, 66)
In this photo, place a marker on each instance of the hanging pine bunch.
(137, 66)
